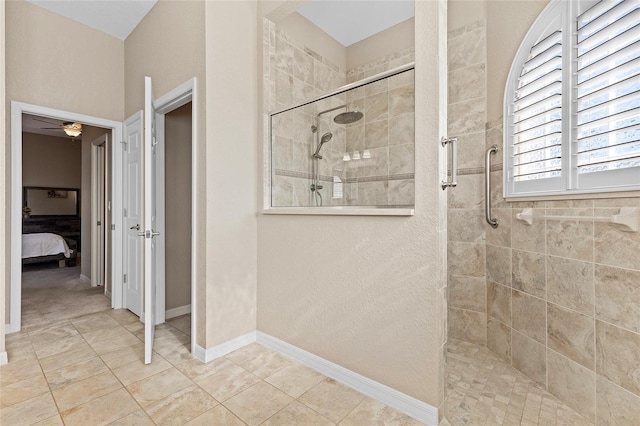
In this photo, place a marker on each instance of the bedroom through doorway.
(64, 243)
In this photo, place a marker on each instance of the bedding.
(46, 244)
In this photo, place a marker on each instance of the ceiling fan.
(71, 129)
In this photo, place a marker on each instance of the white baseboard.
(176, 312)
(85, 278)
(3, 358)
(413, 407)
(108, 294)
(10, 328)
(206, 355)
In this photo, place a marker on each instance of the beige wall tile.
(570, 284)
(500, 236)
(465, 225)
(376, 134)
(497, 200)
(499, 264)
(469, 194)
(529, 357)
(466, 117)
(376, 108)
(572, 239)
(471, 150)
(401, 192)
(614, 247)
(402, 129)
(572, 383)
(528, 237)
(467, 293)
(468, 326)
(467, 83)
(618, 356)
(466, 259)
(402, 100)
(499, 339)
(466, 49)
(499, 302)
(528, 273)
(528, 315)
(571, 334)
(618, 296)
(401, 159)
(616, 406)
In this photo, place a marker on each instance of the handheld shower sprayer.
(324, 139)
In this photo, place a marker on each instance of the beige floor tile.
(182, 323)
(23, 390)
(264, 363)
(138, 370)
(42, 336)
(180, 407)
(216, 416)
(51, 421)
(297, 414)
(123, 316)
(258, 403)
(125, 355)
(94, 322)
(104, 334)
(295, 379)
(372, 412)
(79, 353)
(30, 411)
(137, 418)
(113, 344)
(248, 353)
(102, 410)
(47, 349)
(230, 380)
(21, 350)
(158, 386)
(198, 370)
(175, 348)
(81, 370)
(331, 399)
(18, 370)
(85, 390)
(134, 327)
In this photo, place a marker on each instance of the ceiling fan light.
(72, 129)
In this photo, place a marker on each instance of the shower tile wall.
(563, 301)
(467, 117)
(558, 300)
(294, 73)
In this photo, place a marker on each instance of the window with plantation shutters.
(572, 102)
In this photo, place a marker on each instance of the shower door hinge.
(124, 278)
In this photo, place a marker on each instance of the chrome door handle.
(148, 233)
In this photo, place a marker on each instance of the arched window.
(572, 102)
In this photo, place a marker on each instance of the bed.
(48, 247)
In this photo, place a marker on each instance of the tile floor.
(483, 390)
(88, 370)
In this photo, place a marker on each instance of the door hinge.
(113, 227)
(125, 144)
(125, 212)
(124, 279)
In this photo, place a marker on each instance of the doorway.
(19, 109)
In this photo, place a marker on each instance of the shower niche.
(353, 147)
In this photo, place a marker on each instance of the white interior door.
(132, 211)
(100, 222)
(150, 220)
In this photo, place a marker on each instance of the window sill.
(340, 211)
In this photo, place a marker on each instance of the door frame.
(15, 258)
(97, 179)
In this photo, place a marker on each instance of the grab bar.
(452, 162)
(487, 187)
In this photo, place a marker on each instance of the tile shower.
(557, 300)
(369, 162)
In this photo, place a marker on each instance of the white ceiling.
(115, 17)
(349, 22)
(44, 126)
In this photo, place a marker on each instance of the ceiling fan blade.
(45, 121)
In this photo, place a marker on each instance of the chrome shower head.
(324, 139)
(348, 117)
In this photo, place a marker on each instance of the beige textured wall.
(366, 292)
(385, 43)
(93, 83)
(169, 46)
(50, 161)
(231, 172)
(178, 207)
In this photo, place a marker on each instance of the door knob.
(137, 227)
